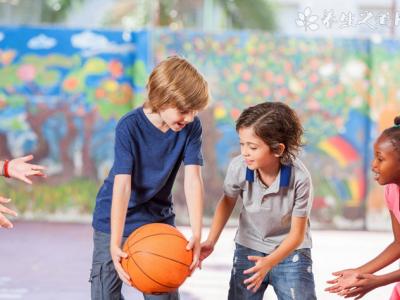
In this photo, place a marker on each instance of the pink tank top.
(392, 192)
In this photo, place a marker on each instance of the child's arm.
(4, 222)
(119, 207)
(20, 169)
(368, 282)
(347, 278)
(264, 264)
(193, 187)
(223, 211)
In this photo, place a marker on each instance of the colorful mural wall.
(62, 92)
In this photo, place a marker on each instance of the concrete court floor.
(47, 261)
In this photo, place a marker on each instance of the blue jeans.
(105, 283)
(291, 279)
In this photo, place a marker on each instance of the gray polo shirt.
(266, 212)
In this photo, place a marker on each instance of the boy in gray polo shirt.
(273, 239)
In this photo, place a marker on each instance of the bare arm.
(194, 193)
(223, 211)
(290, 243)
(390, 254)
(350, 277)
(119, 207)
(20, 169)
(264, 264)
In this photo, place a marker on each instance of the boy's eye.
(253, 148)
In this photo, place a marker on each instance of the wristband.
(5, 169)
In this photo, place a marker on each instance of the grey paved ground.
(50, 261)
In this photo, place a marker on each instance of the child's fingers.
(250, 270)
(195, 262)
(190, 245)
(8, 211)
(5, 223)
(253, 258)
(251, 279)
(27, 158)
(4, 200)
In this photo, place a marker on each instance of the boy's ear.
(280, 149)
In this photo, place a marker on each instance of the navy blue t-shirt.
(152, 158)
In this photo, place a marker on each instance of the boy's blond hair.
(176, 83)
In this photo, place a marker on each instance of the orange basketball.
(157, 261)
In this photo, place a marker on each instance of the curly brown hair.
(275, 123)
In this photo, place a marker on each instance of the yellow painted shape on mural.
(110, 86)
(335, 153)
(95, 66)
(219, 112)
(355, 192)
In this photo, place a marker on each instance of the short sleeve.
(388, 199)
(192, 154)
(233, 180)
(303, 198)
(123, 150)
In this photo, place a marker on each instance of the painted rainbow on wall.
(345, 154)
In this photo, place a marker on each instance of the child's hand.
(343, 279)
(260, 270)
(4, 222)
(194, 245)
(117, 254)
(365, 284)
(207, 247)
(18, 168)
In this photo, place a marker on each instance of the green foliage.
(250, 14)
(54, 11)
(78, 194)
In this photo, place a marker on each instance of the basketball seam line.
(171, 287)
(181, 237)
(147, 252)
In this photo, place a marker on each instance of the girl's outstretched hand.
(19, 168)
(260, 270)
(365, 284)
(4, 222)
(343, 279)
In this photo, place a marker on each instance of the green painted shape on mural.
(107, 110)
(138, 99)
(53, 60)
(15, 100)
(9, 76)
(94, 66)
(139, 73)
(48, 78)
(76, 194)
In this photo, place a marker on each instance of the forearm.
(289, 244)
(119, 206)
(385, 258)
(389, 278)
(194, 198)
(223, 211)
